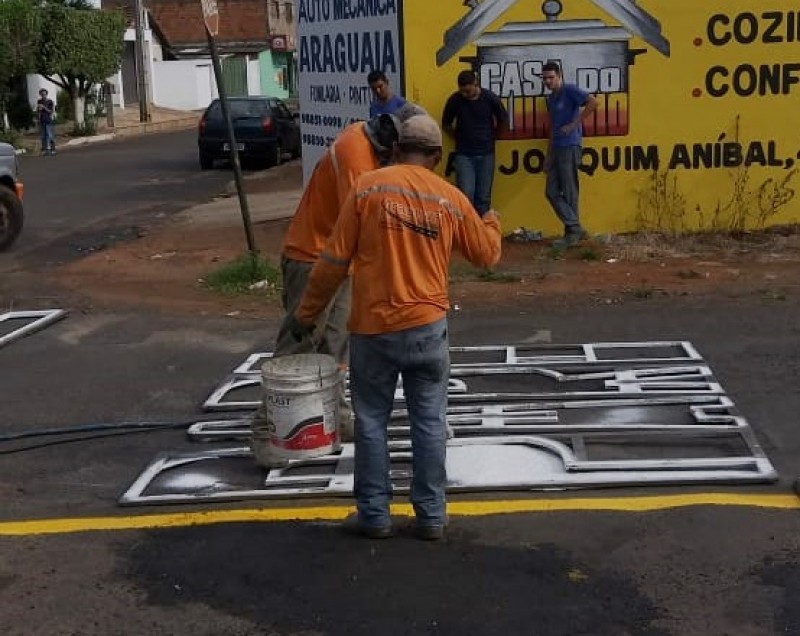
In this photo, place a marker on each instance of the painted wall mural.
(699, 100)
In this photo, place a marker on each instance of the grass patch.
(688, 274)
(462, 272)
(240, 276)
(589, 254)
(492, 276)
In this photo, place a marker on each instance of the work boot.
(572, 237)
(353, 525)
(426, 532)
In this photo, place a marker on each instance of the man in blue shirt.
(45, 110)
(568, 106)
(385, 102)
(477, 114)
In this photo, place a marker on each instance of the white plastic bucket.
(300, 402)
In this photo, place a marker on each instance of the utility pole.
(211, 19)
(232, 144)
(141, 62)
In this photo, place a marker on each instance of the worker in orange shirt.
(359, 148)
(396, 230)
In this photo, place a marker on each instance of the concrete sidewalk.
(126, 124)
(126, 121)
(263, 207)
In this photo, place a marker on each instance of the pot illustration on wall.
(593, 55)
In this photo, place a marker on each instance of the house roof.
(242, 24)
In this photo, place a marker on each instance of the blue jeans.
(562, 189)
(48, 136)
(474, 177)
(422, 356)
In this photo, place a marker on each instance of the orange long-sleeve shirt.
(398, 227)
(350, 155)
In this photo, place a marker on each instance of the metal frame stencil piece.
(216, 401)
(473, 464)
(710, 414)
(568, 355)
(40, 320)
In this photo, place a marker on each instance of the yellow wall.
(664, 111)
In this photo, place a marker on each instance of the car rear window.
(239, 108)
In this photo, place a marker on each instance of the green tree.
(20, 38)
(80, 48)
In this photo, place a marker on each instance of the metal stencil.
(524, 417)
(691, 415)
(248, 389)
(32, 321)
(473, 464)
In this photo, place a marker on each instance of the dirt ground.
(164, 269)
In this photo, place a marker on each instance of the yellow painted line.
(337, 513)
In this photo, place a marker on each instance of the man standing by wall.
(397, 229)
(472, 116)
(385, 102)
(45, 111)
(568, 106)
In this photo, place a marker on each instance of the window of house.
(275, 9)
(289, 8)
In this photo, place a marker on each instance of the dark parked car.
(265, 131)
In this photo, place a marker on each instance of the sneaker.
(353, 525)
(571, 238)
(429, 532)
(576, 233)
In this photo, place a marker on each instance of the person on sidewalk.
(396, 230)
(359, 148)
(568, 106)
(472, 116)
(385, 102)
(45, 114)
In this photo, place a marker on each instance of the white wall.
(37, 83)
(253, 75)
(152, 52)
(183, 84)
(118, 97)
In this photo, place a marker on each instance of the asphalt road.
(707, 569)
(683, 566)
(87, 197)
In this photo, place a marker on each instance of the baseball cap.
(421, 130)
(382, 130)
(406, 111)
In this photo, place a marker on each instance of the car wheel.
(206, 161)
(10, 217)
(275, 156)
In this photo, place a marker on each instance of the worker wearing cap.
(359, 148)
(396, 230)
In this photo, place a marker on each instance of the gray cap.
(422, 131)
(383, 130)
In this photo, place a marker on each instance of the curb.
(133, 130)
(84, 141)
(184, 123)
